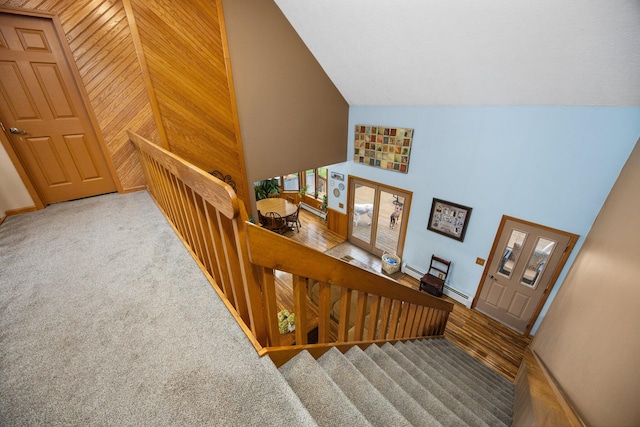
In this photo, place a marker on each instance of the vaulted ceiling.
(475, 52)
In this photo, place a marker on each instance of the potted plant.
(264, 188)
(303, 191)
(325, 203)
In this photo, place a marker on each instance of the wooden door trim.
(73, 68)
(573, 239)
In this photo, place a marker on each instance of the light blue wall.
(549, 165)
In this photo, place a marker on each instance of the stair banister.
(280, 253)
(239, 259)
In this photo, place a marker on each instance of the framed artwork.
(338, 176)
(383, 147)
(449, 219)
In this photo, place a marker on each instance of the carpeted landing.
(105, 319)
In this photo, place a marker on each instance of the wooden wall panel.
(338, 223)
(184, 50)
(101, 42)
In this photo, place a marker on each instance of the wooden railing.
(241, 259)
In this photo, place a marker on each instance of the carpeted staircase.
(421, 383)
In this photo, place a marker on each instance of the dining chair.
(293, 220)
(275, 222)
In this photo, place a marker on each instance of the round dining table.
(276, 204)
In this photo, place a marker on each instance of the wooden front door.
(44, 115)
(524, 264)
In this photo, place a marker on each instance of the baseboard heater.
(448, 290)
(313, 210)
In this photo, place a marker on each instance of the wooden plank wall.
(100, 39)
(184, 47)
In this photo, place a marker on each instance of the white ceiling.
(475, 52)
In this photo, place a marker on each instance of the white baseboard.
(313, 210)
(452, 293)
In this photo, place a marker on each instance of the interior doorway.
(378, 216)
(523, 266)
(44, 114)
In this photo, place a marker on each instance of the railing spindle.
(345, 309)
(416, 322)
(393, 321)
(324, 312)
(233, 266)
(384, 322)
(300, 308)
(374, 312)
(361, 306)
(270, 305)
(404, 317)
(223, 278)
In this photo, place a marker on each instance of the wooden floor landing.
(494, 344)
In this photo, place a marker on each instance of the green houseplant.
(325, 202)
(265, 188)
(303, 191)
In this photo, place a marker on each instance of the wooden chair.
(433, 281)
(261, 218)
(274, 222)
(293, 220)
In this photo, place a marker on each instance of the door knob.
(17, 131)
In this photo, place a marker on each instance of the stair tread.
(324, 400)
(423, 396)
(445, 365)
(450, 377)
(429, 382)
(435, 380)
(499, 379)
(398, 397)
(478, 368)
(467, 367)
(373, 405)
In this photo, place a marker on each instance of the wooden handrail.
(240, 260)
(281, 253)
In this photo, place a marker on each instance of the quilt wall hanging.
(383, 147)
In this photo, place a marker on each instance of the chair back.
(439, 268)
(433, 281)
(294, 217)
(275, 222)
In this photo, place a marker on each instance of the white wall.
(13, 194)
(549, 165)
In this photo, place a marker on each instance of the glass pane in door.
(389, 218)
(310, 180)
(536, 262)
(363, 212)
(512, 252)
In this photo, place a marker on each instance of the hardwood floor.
(492, 343)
